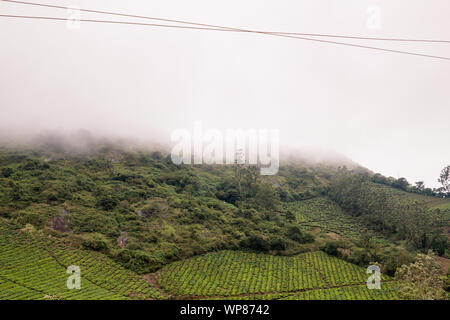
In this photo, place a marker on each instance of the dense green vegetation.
(419, 186)
(137, 210)
(168, 212)
(407, 218)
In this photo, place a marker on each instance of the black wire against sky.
(209, 27)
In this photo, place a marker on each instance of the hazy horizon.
(387, 112)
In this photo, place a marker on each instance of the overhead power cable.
(231, 28)
(217, 28)
(213, 29)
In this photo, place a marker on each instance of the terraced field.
(34, 267)
(325, 214)
(388, 291)
(234, 274)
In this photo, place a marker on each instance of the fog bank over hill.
(388, 112)
(77, 141)
(82, 141)
(85, 141)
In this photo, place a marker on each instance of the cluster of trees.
(246, 186)
(255, 198)
(410, 220)
(419, 187)
(421, 280)
(367, 250)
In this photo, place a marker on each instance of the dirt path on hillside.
(445, 264)
(152, 279)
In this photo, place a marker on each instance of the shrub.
(278, 244)
(7, 172)
(30, 165)
(294, 233)
(96, 242)
(331, 248)
(256, 243)
(33, 218)
(140, 261)
(108, 203)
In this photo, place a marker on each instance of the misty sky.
(386, 111)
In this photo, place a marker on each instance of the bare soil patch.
(445, 263)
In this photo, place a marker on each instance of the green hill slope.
(249, 275)
(137, 211)
(34, 267)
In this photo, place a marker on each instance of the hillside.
(34, 267)
(137, 212)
